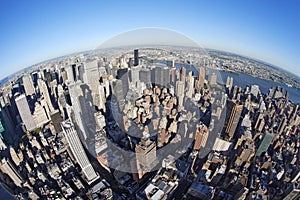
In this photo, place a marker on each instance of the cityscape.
(152, 122)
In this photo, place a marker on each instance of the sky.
(33, 31)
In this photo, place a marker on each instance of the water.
(243, 80)
(5, 194)
(238, 79)
(264, 85)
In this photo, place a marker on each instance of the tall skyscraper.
(78, 150)
(190, 84)
(83, 110)
(157, 75)
(180, 92)
(136, 57)
(213, 79)
(91, 78)
(282, 125)
(25, 112)
(119, 93)
(56, 120)
(122, 74)
(165, 76)
(145, 75)
(45, 93)
(254, 90)
(265, 143)
(201, 77)
(145, 155)
(28, 85)
(182, 74)
(135, 75)
(234, 118)
(74, 71)
(201, 137)
(40, 116)
(173, 75)
(10, 170)
(7, 131)
(229, 83)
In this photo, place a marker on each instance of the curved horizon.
(103, 46)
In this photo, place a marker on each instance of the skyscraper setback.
(78, 150)
(28, 85)
(145, 156)
(25, 112)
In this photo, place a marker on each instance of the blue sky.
(33, 31)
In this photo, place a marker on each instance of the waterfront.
(242, 80)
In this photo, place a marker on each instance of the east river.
(242, 80)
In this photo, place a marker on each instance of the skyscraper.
(56, 120)
(173, 75)
(145, 75)
(44, 91)
(25, 112)
(190, 85)
(254, 90)
(213, 79)
(265, 143)
(201, 137)
(145, 155)
(165, 76)
(180, 92)
(28, 85)
(11, 171)
(122, 74)
(182, 74)
(83, 109)
(229, 83)
(136, 57)
(201, 77)
(78, 150)
(70, 73)
(7, 131)
(293, 191)
(39, 116)
(157, 75)
(234, 118)
(135, 75)
(91, 78)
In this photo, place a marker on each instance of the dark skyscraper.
(136, 57)
(145, 75)
(145, 156)
(182, 74)
(122, 74)
(233, 118)
(56, 119)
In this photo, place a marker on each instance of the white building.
(180, 92)
(28, 85)
(25, 112)
(78, 150)
(40, 117)
(44, 91)
(91, 78)
(11, 171)
(254, 90)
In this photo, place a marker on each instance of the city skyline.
(143, 123)
(45, 30)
